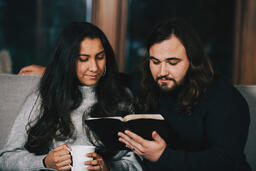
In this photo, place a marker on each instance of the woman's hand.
(59, 158)
(151, 150)
(97, 163)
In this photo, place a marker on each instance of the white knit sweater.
(15, 157)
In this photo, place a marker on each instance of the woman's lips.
(92, 76)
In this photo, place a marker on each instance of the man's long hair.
(60, 93)
(199, 75)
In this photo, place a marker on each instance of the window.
(29, 29)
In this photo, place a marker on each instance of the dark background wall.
(212, 19)
(29, 29)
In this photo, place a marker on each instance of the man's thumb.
(156, 136)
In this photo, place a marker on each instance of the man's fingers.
(125, 139)
(126, 143)
(157, 137)
(135, 137)
(25, 69)
(131, 143)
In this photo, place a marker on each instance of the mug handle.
(71, 165)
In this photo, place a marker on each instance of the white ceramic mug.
(78, 154)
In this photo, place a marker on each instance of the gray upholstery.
(15, 88)
(249, 92)
(13, 91)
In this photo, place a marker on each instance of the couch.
(15, 88)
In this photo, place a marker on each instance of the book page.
(131, 117)
(107, 117)
(142, 116)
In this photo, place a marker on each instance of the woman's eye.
(100, 57)
(83, 59)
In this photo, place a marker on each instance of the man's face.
(168, 63)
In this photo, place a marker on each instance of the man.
(208, 116)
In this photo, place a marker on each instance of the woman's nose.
(93, 66)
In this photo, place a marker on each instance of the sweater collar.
(87, 90)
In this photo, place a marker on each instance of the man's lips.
(164, 80)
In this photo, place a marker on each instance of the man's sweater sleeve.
(126, 161)
(14, 156)
(226, 126)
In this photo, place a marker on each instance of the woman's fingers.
(97, 164)
(95, 168)
(64, 163)
(65, 168)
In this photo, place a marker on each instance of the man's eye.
(173, 62)
(155, 62)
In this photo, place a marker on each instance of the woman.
(81, 81)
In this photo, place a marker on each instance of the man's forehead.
(168, 49)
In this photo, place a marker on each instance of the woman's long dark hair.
(60, 93)
(199, 75)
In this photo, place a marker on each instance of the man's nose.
(163, 69)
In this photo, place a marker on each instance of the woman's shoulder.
(32, 99)
(31, 106)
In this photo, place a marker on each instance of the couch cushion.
(15, 88)
(249, 92)
(13, 91)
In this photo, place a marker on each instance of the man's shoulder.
(220, 85)
(222, 90)
(224, 100)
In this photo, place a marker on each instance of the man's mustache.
(165, 77)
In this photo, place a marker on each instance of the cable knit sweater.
(16, 158)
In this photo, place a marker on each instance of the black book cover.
(106, 128)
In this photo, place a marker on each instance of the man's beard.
(164, 86)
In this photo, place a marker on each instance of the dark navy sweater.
(212, 138)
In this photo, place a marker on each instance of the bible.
(106, 128)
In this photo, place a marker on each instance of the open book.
(106, 128)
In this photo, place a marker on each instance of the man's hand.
(59, 158)
(32, 70)
(151, 150)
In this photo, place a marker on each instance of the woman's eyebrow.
(83, 55)
(100, 52)
(89, 55)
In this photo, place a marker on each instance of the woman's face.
(91, 62)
